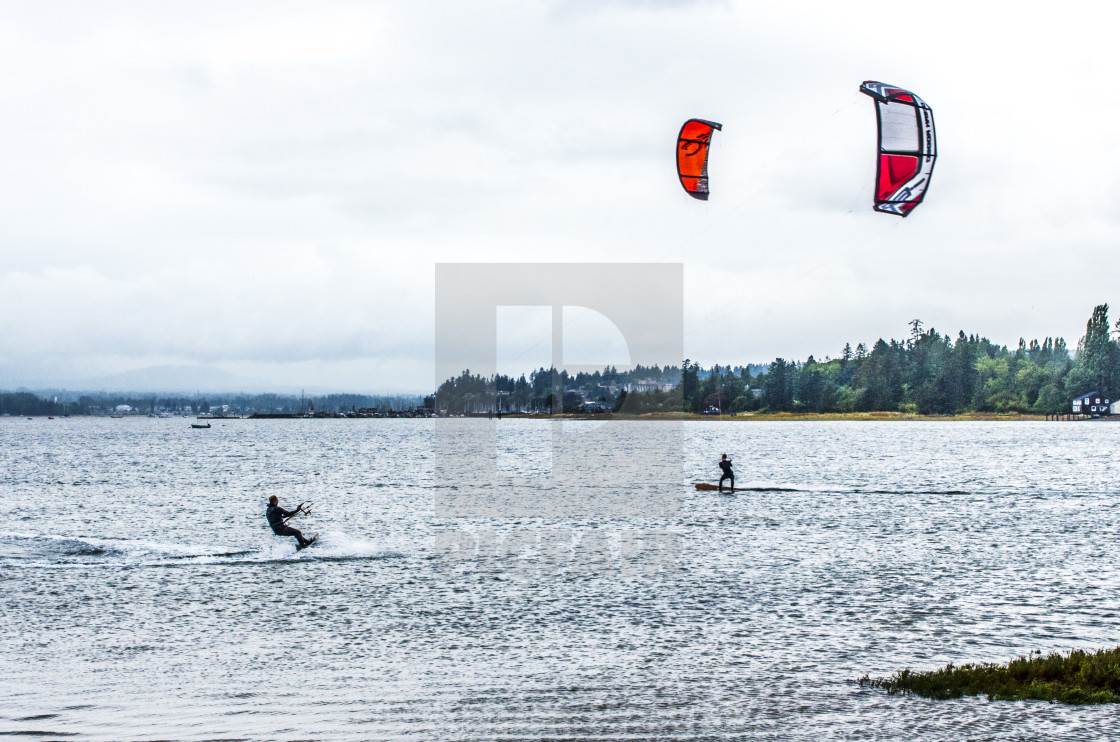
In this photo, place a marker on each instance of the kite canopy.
(907, 147)
(692, 156)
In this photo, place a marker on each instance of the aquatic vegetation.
(1077, 677)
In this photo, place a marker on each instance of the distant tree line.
(936, 374)
(926, 373)
(544, 390)
(26, 403)
(929, 373)
(65, 403)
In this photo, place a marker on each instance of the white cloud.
(266, 187)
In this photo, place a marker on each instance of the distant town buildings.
(648, 385)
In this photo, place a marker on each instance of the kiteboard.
(309, 543)
(709, 487)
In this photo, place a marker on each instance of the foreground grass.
(1077, 677)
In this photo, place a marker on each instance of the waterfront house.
(1093, 403)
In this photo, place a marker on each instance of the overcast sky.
(265, 188)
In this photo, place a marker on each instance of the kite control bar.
(300, 509)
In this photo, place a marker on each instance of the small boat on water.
(196, 425)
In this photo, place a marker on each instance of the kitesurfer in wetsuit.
(276, 516)
(725, 464)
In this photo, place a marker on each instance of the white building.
(645, 385)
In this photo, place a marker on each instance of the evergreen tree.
(690, 385)
(777, 390)
(1095, 366)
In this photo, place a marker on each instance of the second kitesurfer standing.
(725, 465)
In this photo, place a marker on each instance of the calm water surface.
(143, 596)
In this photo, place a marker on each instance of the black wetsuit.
(276, 516)
(725, 464)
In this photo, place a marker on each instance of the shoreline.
(687, 416)
(798, 417)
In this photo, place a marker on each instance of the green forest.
(926, 373)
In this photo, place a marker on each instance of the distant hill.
(174, 378)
